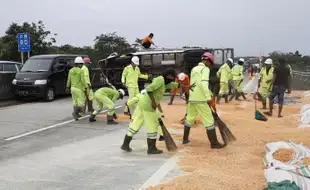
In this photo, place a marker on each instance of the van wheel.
(49, 94)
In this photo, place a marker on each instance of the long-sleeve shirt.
(86, 75)
(201, 92)
(109, 92)
(76, 78)
(131, 75)
(237, 72)
(224, 73)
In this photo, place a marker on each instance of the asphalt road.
(41, 147)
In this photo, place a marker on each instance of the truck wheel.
(49, 94)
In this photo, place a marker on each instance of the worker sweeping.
(88, 92)
(107, 97)
(224, 75)
(159, 111)
(265, 82)
(181, 78)
(237, 76)
(76, 84)
(148, 41)
(145, 112)
(130, 77)
(200, 101)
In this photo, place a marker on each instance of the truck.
(155, 61)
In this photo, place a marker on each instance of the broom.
(226, 134)
(258, 115)
(170, 144)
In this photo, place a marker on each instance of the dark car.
(44, 76)
(8, 70)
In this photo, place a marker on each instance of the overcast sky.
(252, 27)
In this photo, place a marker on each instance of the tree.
(111, 42)
(40, 39)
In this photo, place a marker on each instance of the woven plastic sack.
(293, 170)
(305, 118)
(251, 87)
(304, 108)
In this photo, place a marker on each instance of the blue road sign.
(23, 41)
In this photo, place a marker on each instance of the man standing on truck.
(130, 77)
(145, 113)
(76, 84)
(200, 100)
(107, 97)
(183, 79)
(88, 92)
(148, 41)
(224, 75)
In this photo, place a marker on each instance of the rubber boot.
(213, 139)
(92, 118)
(186, 134)
(90, 106)
(171, 100)
(161, 138)
(243, 95)
(226, 98)
(125, 145)
(237, 96)
(232, 96)
(151, 144)
(110, 120)
(75, 113)
(218, 99)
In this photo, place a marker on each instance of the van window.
(60, 64)
(37, 65)
(146, 60)
(9, 67)
(1, 66)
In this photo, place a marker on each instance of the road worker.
(159, 111)
(237, 76)
(265, 81)
(200, 100)
(88, 92)
(130, 77)
(107, 97)
(76, 84)
(148, 41)
(182, 78)
(224, 75)
(145, 112)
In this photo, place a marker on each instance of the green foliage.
(296, 60)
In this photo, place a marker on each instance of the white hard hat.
(268, 61)
(79, 60)
(143, 91)
(231, 60)
(181, 76)
(122, 92)
(135, 60)
(241, 60)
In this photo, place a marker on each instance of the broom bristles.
(170, 144)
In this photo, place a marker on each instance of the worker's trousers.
(224, 88)
(90, 94)
(132, 92)
(135, 101)
(237, 85)
(203, 111)
(102, 100)
(78, 97)
(264, 92)
(147, 118)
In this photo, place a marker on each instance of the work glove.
(124, 85)
(211, 103)
(114, 116)
(68, 90)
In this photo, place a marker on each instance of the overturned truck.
(155, 61)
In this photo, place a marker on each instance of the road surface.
(41, 147)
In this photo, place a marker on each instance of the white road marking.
(160, 174)
(50, 127)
